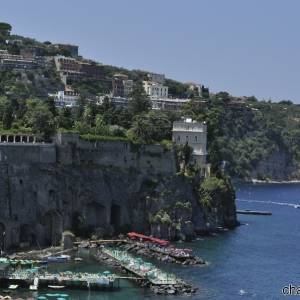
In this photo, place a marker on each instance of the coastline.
(257, 181)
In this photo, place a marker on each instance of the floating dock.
(254, 212)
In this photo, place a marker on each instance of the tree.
(51, 105)
(139, 102)
(39, 119)
(5, 30)
(101, 127)
(151, 127)
(184, 154)
(89, 114)
(7, 117)
(64, 118)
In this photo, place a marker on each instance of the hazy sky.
(245, 47)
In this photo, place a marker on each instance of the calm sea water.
(253, 261)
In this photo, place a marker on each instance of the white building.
(194, 134)
(67, 98)
(155, 90)
(168, 103)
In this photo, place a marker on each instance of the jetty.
(33, 275)
(62, 280)
(254, 212)
(158, 281)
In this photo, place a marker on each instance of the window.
(195, 138)
(187, 137)
(178, 138)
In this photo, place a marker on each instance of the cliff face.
(103, 188)
(277, 166)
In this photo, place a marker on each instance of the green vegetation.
(5, 30)
(242, 132)
(161, 217)
(212, 188)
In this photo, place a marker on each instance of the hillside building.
(92, 70)
(10, 61)
(155, 90)
(193, 134)
(173, 104)
(67, 98)
(72, 69)
(121, 85)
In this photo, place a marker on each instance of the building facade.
(121, 85)
(11, 61)
(72, 69)
(174, 104)
(193, 134)
(155, 90)
(66, 98)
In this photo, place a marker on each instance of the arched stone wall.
(2, 236)
(95, 214)
(116, 217)
(27, 235)
(53, 227)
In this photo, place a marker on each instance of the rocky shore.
(168, 254)
(180, 287)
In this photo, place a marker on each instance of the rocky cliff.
(102, 188)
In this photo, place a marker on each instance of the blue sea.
(254, 261)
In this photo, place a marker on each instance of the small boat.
(13, 286)
(33, 288)
(78, 259)
(56, 287)
(60, 258)
(297, 206)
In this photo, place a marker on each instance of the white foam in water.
(270, 202)
(242, 292)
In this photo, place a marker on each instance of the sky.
(244, 47)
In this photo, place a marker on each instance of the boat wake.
(295, 205)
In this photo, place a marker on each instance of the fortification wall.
(43, 186)
(146, 158)
(27, 153)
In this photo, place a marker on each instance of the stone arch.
(14, 237)
(115, 216)
(95, 214)
(10, 138)
(17, 139)
(2, 236)
(53, 226)
(27, 235)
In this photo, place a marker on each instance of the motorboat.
(60, 258)
(56, 287)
